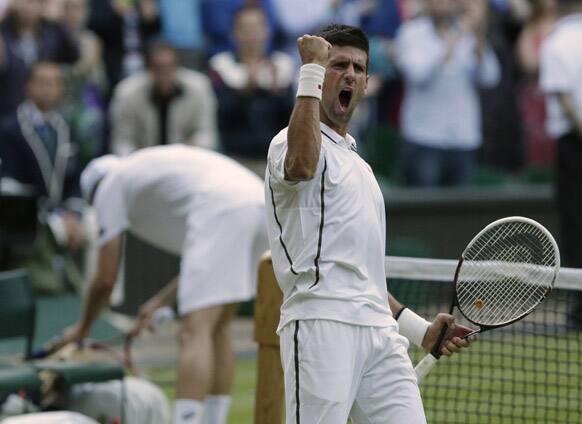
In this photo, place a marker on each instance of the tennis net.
(528, 372)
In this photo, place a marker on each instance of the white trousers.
(335, 370)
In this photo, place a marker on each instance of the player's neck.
(341, 129)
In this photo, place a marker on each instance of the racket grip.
(424, 366)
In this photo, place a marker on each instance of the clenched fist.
(313, 49)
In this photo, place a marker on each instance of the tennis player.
(341, 350)
(210, 210)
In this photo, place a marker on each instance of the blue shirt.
(441, 105)
(182, 23)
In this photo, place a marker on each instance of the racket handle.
(424, 366)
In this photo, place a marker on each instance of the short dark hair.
(31, 72)
(248, 7)
(156, 46)
(346, 35)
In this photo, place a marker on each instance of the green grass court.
(243, 402)
(533, 379)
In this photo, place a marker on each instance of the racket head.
(505, 271)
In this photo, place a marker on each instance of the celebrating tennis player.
(341, 350)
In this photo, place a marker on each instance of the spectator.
(85, 84)
(166, 104)
(37, 150)
(444, 59)
(26, 38)
(254, 90)
(182, 28)
(218, 18)
(539, 145)
(294, 22)
(561, 80)
(124, 28)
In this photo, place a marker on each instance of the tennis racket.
(504, 273)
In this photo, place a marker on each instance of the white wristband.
(412, 326)
(311, 78)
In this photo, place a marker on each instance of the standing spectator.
(539, 145)
(36, 149)
(561, 80)
(85, 84)
(26, 38)
(254, 90)
(124, 28)
(444, 59)
(166, 104)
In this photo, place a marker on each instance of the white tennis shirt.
(328, 236)
(156, 190)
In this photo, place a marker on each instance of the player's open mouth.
(345, 97)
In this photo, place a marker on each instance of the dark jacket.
(25, 161)
(54, 44)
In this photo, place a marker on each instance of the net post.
(269, 392)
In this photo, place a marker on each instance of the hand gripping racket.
(503, 274)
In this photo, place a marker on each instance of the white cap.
(95, 171)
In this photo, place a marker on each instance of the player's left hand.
(454, 339)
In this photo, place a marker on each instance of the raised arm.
(303, 136)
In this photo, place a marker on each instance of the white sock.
(216, 409)
(188, 411)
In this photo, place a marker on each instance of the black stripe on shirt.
(321, 223)
(328, 136)
(280, 228)
(296, 343)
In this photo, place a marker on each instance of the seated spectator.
(26, 38)
(166, 104)
(254, 90)
(218, 18)
(444, 58)
(37, 150)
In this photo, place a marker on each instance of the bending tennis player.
(210, 210)
(341, 350)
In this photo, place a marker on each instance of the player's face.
(345, 84)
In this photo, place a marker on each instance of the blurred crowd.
(453, 86)
(221, 74)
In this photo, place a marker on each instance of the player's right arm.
(165, 297)
(100, 289)
(304, 136)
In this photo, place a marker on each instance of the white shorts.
(220, 258)
(335, 370)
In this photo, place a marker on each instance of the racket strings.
(508, 288)
(506, 272)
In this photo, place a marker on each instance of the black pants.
(569, 202)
